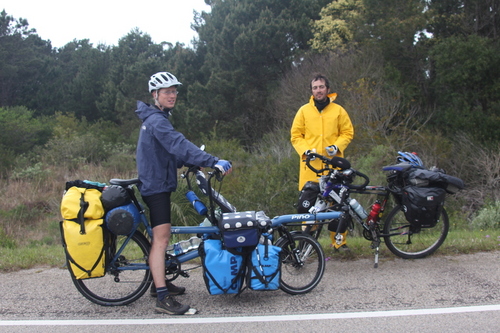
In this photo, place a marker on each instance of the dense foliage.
(420, 75)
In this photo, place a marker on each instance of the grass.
(457, 242)
(30, 257)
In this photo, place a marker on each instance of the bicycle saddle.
(124, 182)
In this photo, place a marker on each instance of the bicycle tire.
(299, 278)
(417, 245)
(131, 284)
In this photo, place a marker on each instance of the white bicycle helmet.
(162, 80)
(411, 158)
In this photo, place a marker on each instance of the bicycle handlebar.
(334, 163)
(365, 183)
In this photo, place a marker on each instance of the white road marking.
(295, 317)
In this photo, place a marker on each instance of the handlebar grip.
(218, 174)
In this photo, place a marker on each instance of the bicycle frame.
(277, 223)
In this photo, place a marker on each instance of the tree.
(24, 59)
(392, 28)
(20, 131)
(131, 63)
(466, 82)
(248, 45)
(448, 18)
(339, 24)
(72, 81)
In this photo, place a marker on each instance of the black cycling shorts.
(159, 208)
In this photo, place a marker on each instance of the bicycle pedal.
(184, 274)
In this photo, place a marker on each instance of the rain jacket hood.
(161, 150)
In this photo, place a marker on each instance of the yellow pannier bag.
(75, 197)
(83, 233)
(85, 253)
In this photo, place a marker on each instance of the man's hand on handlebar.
(332, 150)
(310, 154)
(225, 167)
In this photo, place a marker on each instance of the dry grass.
(30, 207)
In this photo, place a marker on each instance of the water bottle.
(206, 223)
(184, 246)
(358, 208)
(372, 217)
(194, 243)
(197, 204)
(174, 249)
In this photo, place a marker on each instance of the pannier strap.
(84, 205)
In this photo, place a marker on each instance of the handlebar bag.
(240, 229)
(223, 271)
(422, 205)
(264, 267)
(307, 197)
(83, 233)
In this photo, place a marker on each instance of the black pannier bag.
(423, 205)
(307, 197)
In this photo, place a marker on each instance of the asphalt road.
(436, 294)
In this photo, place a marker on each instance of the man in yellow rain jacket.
(318, 125)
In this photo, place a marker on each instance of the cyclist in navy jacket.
(161, 150)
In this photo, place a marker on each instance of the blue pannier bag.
(123, 220)
(223, 271)
(264, 268)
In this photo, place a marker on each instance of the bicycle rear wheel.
(401, 241)
(300, 277)
(124, 286)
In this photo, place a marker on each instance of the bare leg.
(161, 238)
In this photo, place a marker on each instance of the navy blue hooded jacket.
(161, 150)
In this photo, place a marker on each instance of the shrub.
(488, 217)
(6, 241)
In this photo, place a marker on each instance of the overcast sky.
(106, 21)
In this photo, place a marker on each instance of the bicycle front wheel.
(406, 244)
(125, 282)
(302, 275)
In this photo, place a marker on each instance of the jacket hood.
(332, 96)
(144, 110)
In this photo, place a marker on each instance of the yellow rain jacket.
(312, 129)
